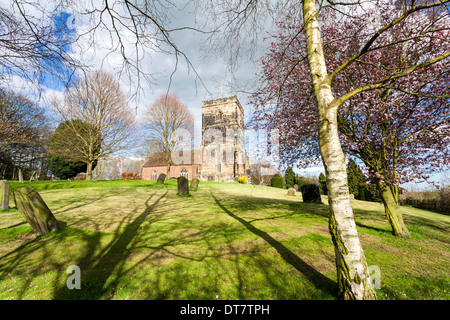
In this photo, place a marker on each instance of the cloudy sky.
(212, 78)
(206, 78)
(94, 48)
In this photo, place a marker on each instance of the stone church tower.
(223, 140)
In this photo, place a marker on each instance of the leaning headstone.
(311, 193)
(183, 185)
(35, 211)
(161, 178)
(194, 184)
(291, 192)
(4, 194)
(296, 187)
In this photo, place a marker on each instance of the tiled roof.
(157, 159)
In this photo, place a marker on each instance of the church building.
(222, 156)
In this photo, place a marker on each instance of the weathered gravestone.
(183, 185)
(4, 194)
(35, 211)
(194, 184)
(161, 178)
(311, 193)
(291, 192)
(296, 187)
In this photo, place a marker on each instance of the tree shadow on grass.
(320, 281)
(97, 269)
(377, 222)
(106, 260)
(13, 262)
(194, 247)
(72, 204)
(13, 226)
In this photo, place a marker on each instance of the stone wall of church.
(222, 128)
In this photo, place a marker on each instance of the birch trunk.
(352, 272)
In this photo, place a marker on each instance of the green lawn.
(139, 240)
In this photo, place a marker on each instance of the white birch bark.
(352, 273)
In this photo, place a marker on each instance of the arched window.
(184, 173)
(154, 175)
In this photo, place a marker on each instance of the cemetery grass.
(139, 240)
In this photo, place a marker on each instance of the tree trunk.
(168, 169)
(32, 175)
(352, 272)
(89, 171)
(4, 194)
(391, 210)
(20, 175)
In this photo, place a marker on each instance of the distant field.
(139, 240)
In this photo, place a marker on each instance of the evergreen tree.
(289, 177)
(358, 185)
(356, 178)
(64, 169)
(277, 181)
(65, 160)
(323, 184)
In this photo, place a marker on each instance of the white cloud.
(311, 170)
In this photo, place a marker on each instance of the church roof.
(157, 159)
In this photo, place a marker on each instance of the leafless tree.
(65, 38)
(164, 119)
(33, 44)
(107, 121)
(24, 131)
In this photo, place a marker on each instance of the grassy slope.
(139, 240)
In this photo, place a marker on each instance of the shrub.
(300, 181)
(277, 181)
(444, 205)
(242, 180)
(131, 175)
(436, 201)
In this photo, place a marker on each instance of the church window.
(184, 173)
